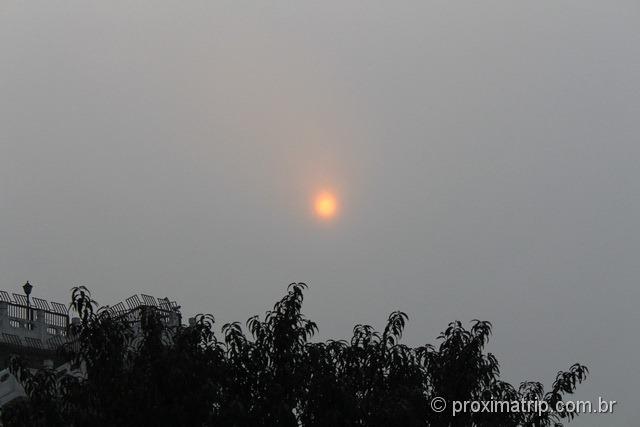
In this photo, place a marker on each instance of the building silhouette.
(35, 329)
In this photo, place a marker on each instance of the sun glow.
(325, 205)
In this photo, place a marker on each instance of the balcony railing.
(169, 310)
(40, 324)
(33, 323)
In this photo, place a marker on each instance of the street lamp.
(27, 287)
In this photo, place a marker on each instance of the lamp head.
(27, 287)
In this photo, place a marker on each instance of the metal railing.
(39, 324)
(169, 310)
(32, 323)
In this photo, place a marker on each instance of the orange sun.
(325, 205)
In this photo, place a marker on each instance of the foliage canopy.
(148, 374)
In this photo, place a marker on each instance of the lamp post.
(27, 287)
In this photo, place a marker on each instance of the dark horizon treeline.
(186, 376)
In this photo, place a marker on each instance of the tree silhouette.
(138, 372)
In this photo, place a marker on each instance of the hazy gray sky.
(485, 154)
